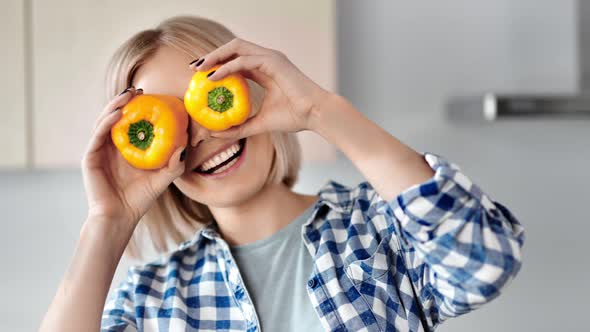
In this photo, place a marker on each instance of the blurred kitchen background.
(407, 65)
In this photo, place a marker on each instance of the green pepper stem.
(220, 99)
(141, 134)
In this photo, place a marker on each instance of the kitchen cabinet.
(13, 112)
(73, 40)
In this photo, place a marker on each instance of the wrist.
(107, 231)
(326, 111)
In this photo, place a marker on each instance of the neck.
(262, 215)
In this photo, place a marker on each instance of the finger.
(257, 76)
(103, 130)
(250, 64)
(119, 101)
(195, 65)
(236, 47)
(253, 126)
(122, 98)
(270, 71)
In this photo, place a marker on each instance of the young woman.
(415, 244)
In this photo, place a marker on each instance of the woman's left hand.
(290, 97)
(293, 102)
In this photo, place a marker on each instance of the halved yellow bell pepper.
(217, 105)
(151, 129)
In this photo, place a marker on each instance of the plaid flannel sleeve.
(119, 310)
(461, 247)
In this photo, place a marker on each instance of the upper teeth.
(220, 157)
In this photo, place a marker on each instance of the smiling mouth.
(241, 143)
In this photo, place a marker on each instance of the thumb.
(174, 169)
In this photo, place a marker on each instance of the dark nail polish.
(183, 155)
(211, 73)
(193, 61)
(125, 91)
(140, 90)
(200, 62)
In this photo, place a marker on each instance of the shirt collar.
(333, 194)
(206, 233)
(336, 195)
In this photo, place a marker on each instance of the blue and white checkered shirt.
(440, 249)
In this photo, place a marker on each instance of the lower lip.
(230, 169)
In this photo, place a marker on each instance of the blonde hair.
(174, 216)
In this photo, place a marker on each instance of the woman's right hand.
(118, 196)
(116, 190)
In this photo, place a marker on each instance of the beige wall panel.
(13, 132)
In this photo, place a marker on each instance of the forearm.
(388, 164)
(78, 303)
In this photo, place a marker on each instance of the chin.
(233, 195)
(236, 183)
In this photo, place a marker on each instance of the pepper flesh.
(217, 105)
(151, 128)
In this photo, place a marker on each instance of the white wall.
(398, 64)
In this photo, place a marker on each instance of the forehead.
(166, 72)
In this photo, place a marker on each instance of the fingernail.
(125, 91)
(200, 62)
(140, 90)
(211, 73)
(193, 61)
(183, 155)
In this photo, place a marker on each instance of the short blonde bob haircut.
(175, 217)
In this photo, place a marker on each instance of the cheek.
(260, 161)
(254, 175)
(249, 180)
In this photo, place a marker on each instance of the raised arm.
(461, 247)
(118, 196)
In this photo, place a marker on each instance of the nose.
(197, 133)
